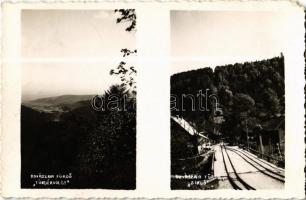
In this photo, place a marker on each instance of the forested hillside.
(250, 91)
(97, 147)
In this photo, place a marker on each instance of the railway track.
(235, 180)
(261, 166)
(266, 163)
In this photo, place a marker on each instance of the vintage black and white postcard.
(152, 100)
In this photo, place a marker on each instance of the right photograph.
(227, 100)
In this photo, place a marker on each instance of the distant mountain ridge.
(59, 103)
(62, 99)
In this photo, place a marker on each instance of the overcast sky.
(73, 33)
(69, 34)
(223, 37)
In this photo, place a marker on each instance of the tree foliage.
(111, 145)
(250, 90)
(129, 16)
(127, 73)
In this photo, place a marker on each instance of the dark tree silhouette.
(109, 152)
(127, 73)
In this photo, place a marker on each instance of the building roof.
(185, 125)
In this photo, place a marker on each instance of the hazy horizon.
(46, 97)
(40, 80)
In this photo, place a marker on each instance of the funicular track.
(266, 171)
(237, 178)
(254, 157)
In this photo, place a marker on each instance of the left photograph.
(78, 110)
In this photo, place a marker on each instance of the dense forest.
(250, 92)
(97, 147)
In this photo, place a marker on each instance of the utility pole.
(247, 132)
